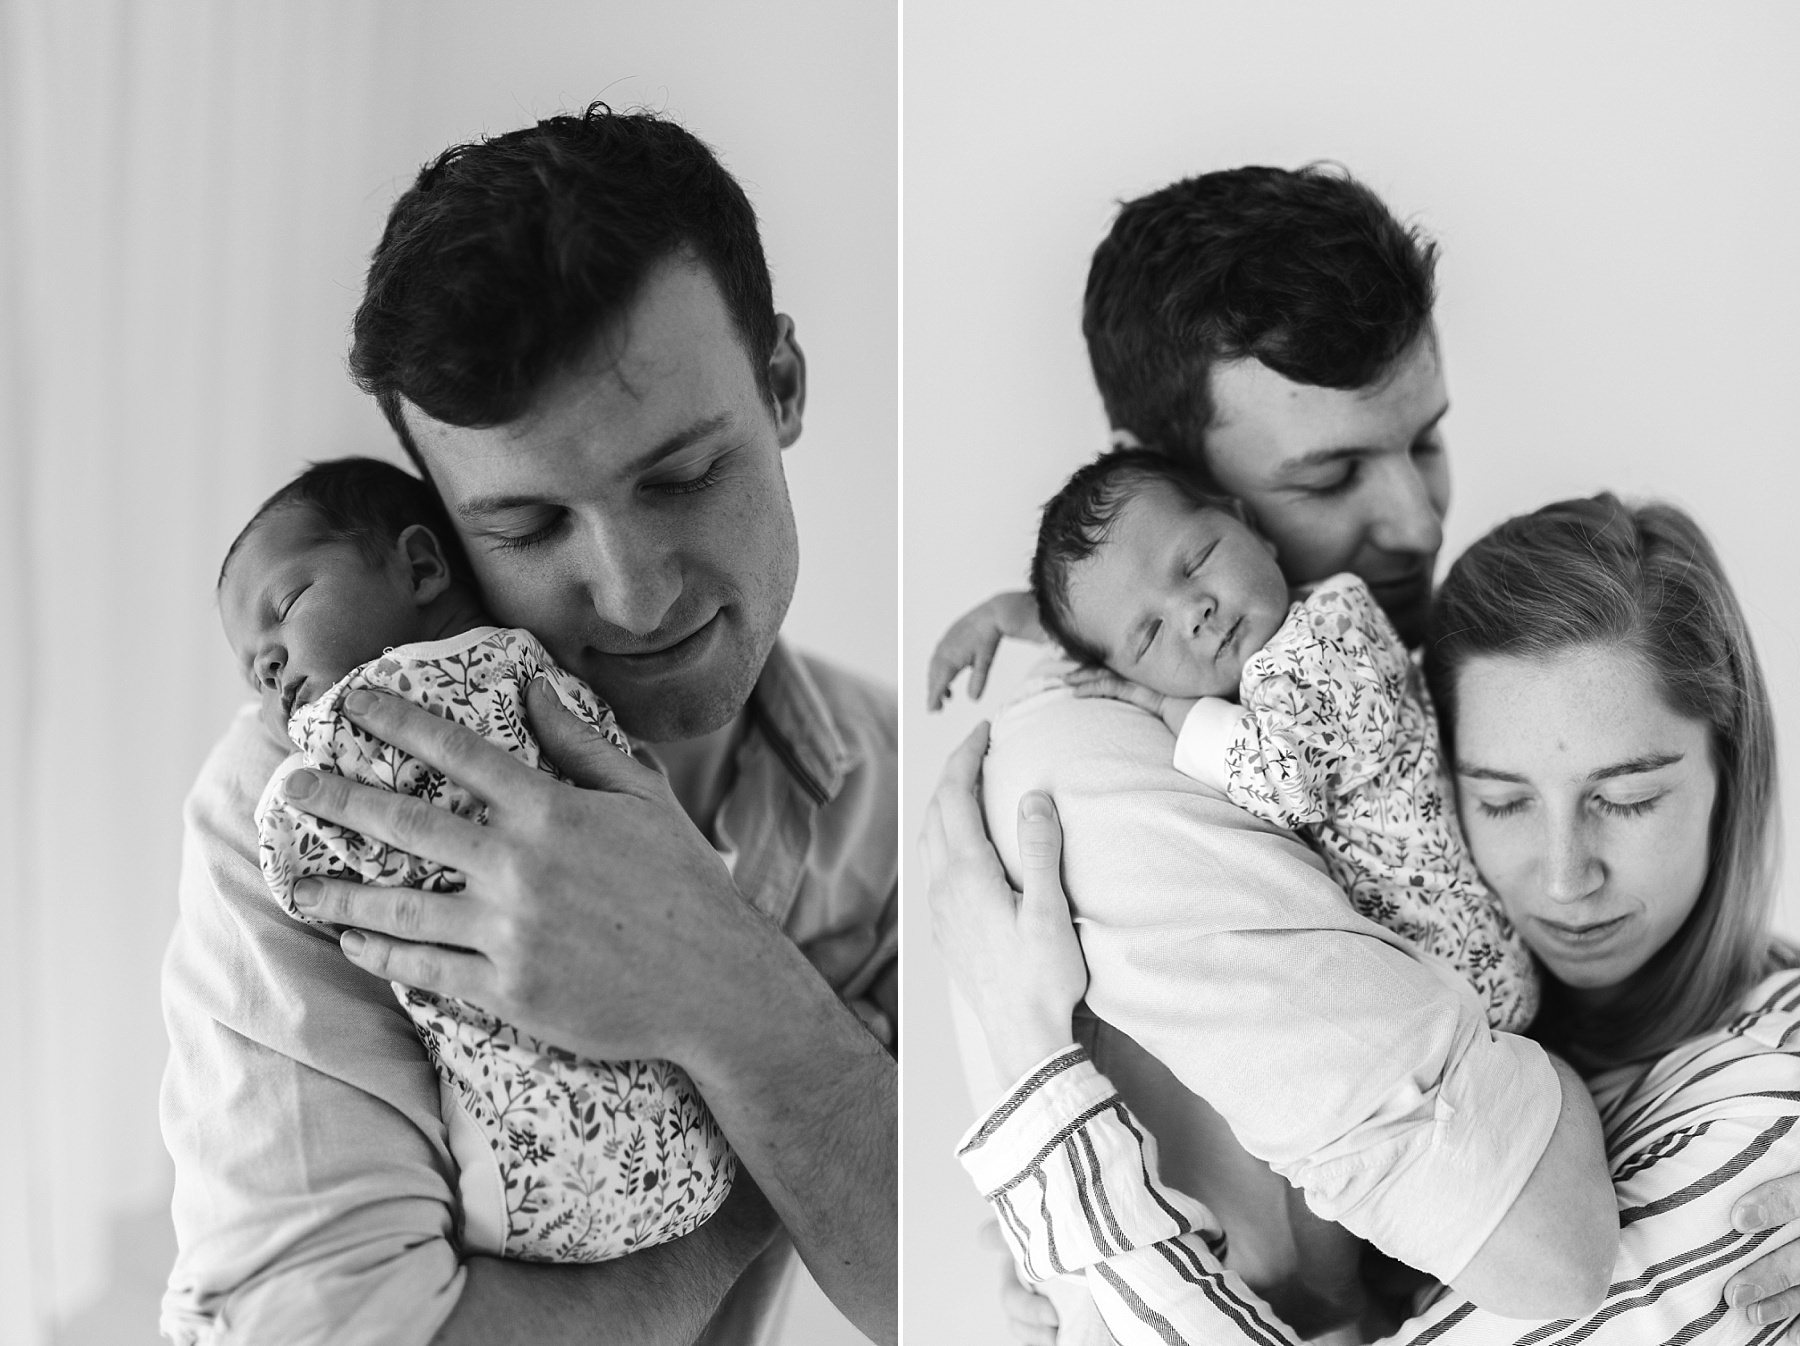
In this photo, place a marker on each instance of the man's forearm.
(661, 1296)
(809, 1101)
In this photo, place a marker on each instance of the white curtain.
(171, 343)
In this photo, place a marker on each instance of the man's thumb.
(578, 750)
(1040, 843)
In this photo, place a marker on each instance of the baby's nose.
(269, 666)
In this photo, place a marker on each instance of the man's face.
(1342, 480)
(636, 520)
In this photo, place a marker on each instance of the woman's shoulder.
(1748, 1066)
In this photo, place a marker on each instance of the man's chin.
(675, 709)
(676, 719)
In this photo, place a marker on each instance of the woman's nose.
(1572, 868)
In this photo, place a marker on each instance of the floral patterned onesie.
(1334, 736)
(595, 1158)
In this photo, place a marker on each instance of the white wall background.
(188, 192)
(1615, 188)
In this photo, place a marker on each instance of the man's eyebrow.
(1323, 457)
(477, 506)
(1635, 766)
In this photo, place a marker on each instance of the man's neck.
(700, 770)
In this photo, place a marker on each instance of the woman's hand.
(1014, 958)
(1091, 681)
(972, 639)
(1030, 1315)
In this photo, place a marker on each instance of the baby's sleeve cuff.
(1205, 735)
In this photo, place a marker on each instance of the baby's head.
(351, 557)
(1139, 569)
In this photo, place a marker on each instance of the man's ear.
(787, 381)
(426, 567)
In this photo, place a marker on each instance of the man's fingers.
(405, 913)
(1776, 1309)
(1771, 1279)
(1768, 1204)
(958, 802)
(962, 773)
(466, 976)
(411, 824)
(461, 754)
(578, 750)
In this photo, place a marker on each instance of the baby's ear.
(426, 567)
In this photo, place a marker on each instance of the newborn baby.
(1308, 713)
(350, 576)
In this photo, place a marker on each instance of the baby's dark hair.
(366, 502)
(1080, 517)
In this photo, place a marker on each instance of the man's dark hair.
(506, 257)
(366, 502)
(1080, 517)
(1305, 270)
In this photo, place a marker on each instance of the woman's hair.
(1642, 579)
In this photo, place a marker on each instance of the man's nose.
(1407, 518)
(631, 574)
(1572, 867)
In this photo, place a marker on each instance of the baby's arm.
(1171, 710)
(974, 637)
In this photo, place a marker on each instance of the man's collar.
(792, 714)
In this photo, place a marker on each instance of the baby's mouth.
(290, 693)
(1227, 640)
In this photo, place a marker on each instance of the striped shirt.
(1072, 1176)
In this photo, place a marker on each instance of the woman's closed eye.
(1627, 808)
(1502, 808)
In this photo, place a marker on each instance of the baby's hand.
(1092, 681)
(972, 639)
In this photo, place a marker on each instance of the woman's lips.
(1581, 936)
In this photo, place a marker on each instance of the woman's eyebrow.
(1635, 766)
(1650, 761)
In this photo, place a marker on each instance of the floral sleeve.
(1323, 699)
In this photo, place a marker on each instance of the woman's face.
(1587, 803)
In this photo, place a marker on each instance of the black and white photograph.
(1348, 454)
(409, 408)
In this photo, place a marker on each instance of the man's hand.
(597, 918)
(1768, 1290)
(1014, 957)
(972, 640)
(658, 1296)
